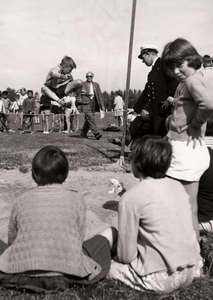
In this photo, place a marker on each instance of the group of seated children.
(154, 248)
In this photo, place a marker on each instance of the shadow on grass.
(111, 205)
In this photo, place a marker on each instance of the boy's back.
(162, 210)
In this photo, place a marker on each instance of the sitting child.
(157, 247)
(46, 231)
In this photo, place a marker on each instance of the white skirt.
(188, 163)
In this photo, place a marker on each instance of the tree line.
(108, 97)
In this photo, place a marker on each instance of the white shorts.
(187, 163)
(206, 226)
(163, 281)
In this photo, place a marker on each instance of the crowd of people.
(156, 245)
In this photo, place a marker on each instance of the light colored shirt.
(192, 105)
(118, 102)
(46, 232)
(2, 107)
(155, 229)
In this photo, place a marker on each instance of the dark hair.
(207, 59)
(5, 93)
(151, 156)
(176, 52)
(119, 93)
(49, 166)
(29, 91)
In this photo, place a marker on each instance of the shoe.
(98, 136)
(65, 131)
(83, 136)
(32, 132)
(22, 132)
(46, 132)
(115, 141)
(11, 131)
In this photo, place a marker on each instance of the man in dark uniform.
(157, 92)
(155, 99)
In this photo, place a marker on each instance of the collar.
(154, 61)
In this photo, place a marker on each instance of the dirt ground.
(93, 183)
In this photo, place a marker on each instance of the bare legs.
(72, 85)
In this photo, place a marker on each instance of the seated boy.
(157, 248)
(59, 82)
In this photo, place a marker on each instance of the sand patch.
(93, 184)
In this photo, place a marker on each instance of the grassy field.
(17, 151)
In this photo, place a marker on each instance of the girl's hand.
(194, 135)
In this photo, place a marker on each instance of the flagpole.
(121, 160)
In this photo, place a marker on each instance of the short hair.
(92, 74)
(176, 52)
(151, 156)
(30, 91)
(207, 59)
(49, 166)
(119, 93)
(67, 61)
(4, 93)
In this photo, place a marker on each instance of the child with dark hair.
(28, 107)
(193, 106)
(157, 247)
(7, 106)
(46, 251)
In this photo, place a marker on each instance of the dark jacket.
(97, 102)
(158, 87)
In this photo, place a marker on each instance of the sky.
(36, 34)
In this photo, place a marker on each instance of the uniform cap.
(147, 48)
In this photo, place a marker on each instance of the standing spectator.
(193, 107)
(45, 105)
(207, 61)
(15, 108)
(207, 72)
(93, 95)
(29, 110)
(57, 112)
(3, 116)
(37, 108)
(22, 95)
(118, 108)
(7, 105)
(159, 88)
(71, 112)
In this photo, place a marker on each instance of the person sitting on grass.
(157, 247)
(60, 82)
(46, 251)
